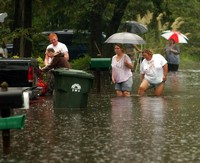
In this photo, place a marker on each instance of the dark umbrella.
(135, 27)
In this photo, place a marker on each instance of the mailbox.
(11, 98)
(100, 63)
(14, 97)
(13, 122)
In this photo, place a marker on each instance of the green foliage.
(189, 61)
(40, 62)
(15, 56)
(82, 63)
(65, 14)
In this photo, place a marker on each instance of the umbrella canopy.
(135, 27)
(176, 36)
(125, 38)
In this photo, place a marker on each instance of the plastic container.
(71, 88)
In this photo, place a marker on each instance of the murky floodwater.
(115, 129)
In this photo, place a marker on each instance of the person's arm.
(66, 54)
(175, 50)
(127, 62)
(46, 59)
(112, 70)
(113, 79)
(165, 70)
(142, 76)
(52, 65)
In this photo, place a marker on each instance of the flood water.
(114, 129)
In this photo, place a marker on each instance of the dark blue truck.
(20, 72)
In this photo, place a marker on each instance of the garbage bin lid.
(72, 72)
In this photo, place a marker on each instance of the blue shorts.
(124, 86)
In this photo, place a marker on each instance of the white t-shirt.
(153, 69)
(59, 48)
(120, 72)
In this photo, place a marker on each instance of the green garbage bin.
(71, 88)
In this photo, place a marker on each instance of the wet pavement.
(114, 129)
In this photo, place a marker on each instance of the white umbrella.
(125, 38)
(176, 36)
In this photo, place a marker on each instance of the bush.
(82, 63)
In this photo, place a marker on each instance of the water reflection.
(122, 129)
(153, 126)
(121, 115)
(173, 81)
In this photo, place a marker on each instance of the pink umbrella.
(176, 36)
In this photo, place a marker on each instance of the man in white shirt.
(57, 46)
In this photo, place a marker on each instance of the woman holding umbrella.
(172, 52)
(121, 71)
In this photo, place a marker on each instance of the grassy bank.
(190, 61)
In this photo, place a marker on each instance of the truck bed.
(22, 73)
(16, 72)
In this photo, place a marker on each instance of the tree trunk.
(28, 24)
(16, 25)
(119, 11)
(96, 35)
(22, 20)
(96, 27)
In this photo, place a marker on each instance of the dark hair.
(172, 40)
(51, 50)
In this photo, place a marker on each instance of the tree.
(22, 23)
(99, 16)
(119, 10)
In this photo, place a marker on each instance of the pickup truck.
(21, 72)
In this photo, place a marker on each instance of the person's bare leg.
(119, 93)
(126, 94)
(143, 87)
(159, 89)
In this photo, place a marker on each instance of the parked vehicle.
(20, 72)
